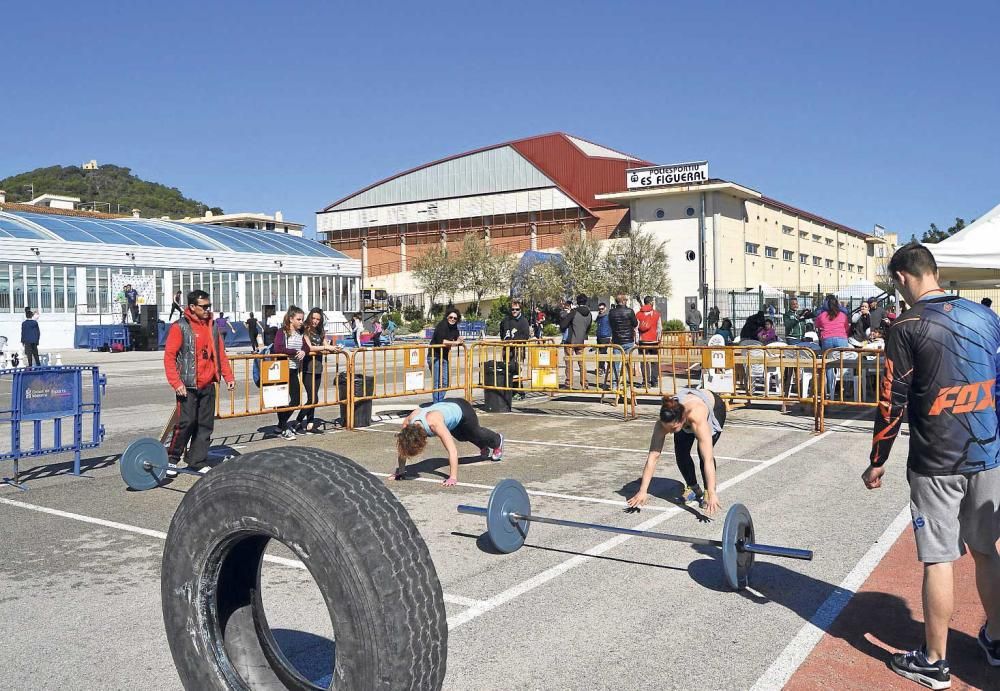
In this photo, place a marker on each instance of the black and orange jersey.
(941, 359)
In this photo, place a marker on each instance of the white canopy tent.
(971, 257)
(859, 291)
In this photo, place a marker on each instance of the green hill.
(109, 183)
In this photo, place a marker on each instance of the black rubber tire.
(356, 539)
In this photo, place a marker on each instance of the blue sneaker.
(915, 667)
(692, 496)
(990, 647)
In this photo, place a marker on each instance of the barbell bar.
(508, 517)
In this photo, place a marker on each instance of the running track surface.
(885, 616)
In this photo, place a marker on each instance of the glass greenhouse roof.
(142, 232)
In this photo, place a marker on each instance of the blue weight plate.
(134, 473)
(507, 497)
(736, 564)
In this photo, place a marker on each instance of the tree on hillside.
(637, 265)
(583, 265)
(481, 271)
(934, 234)
(435, 272)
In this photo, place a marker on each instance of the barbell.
(508, 516)
(145, 464)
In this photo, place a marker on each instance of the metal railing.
(861, 370)
(318, 382)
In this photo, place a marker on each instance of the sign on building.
(660, 176)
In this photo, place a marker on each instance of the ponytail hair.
(671, 410)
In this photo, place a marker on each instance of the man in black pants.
(30, 336)
(194, 359)
(515, 327)
(450, 420)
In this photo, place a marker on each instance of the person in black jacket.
(515, 327)
(30, 336)
(753, 324)
(623, 324)
(445, 334)
(579, 324)
(565, 319)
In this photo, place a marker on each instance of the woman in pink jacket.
(832, 324)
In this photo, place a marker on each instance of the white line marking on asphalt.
(160, 535)
(581, 446)
(798, 649)
(559, 569)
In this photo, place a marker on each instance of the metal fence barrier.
(539, 367)
(263, 384)
(856, 369)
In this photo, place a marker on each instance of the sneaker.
(915, 667)
(171, 472)
(990, 647)
(288, 435)
(497, 453)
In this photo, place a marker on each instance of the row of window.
(804, 235)
(788, 255)
(53, 288)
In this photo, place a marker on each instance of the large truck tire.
(358, 543)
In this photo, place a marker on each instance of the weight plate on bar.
(134, 472)
(508, 497)
(736, 563)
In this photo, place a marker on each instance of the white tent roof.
(770, 291)
(862, 289)
(972, 255)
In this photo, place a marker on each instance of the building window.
(660, 213)
(690, 211)
(787, 230)
(829, 263)
(850, 267)
(829, 242)
(840, 265)
(817, 237)
(817, 261)
(803, 234)
(752, 248)
(803, 259)
(860, 269)
(788, 255)
(840, 244)
(771, 252)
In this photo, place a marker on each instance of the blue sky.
(862, 112)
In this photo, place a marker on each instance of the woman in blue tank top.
(450, 420)
(692, 415)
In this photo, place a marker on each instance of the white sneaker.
(497, 453)
(171, 472)
(288, 435)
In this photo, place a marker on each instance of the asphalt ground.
(79, 558)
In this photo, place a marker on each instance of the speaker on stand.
(149, 332)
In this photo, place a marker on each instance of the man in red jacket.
(194, 360)
(650, 330)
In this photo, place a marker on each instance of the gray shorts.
(952, 511)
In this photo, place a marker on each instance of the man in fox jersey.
(941, 367)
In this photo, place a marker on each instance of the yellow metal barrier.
(779, 374)
(862, 370)
(533, 367)
(404, 370)
(273, 393)
(679, 338)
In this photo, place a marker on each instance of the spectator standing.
(357, 327)
(390, 330)
(318, 343)
(132, 302)
(953, 461)
(579, 326)
(692, 317)
(878, 318)
(726, 331)
(515, 327)
(253, 331)
(31, 336)
(446, 334)
(539, 322)
(224, 327)
(290, 340)
(767, 334)
(712, 323)
(271, 327)
(623, 323)
(565, 319)
(832, 325)
(177, 304)
(650, 329)
(795, 326)
(377, 331)
(194, 361)
(122, 302)
(987, 303)
(603, 336)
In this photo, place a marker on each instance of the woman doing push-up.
(692, 415)
(450, 421)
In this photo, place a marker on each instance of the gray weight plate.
(735, 563)
(507, 497)
(132, 467)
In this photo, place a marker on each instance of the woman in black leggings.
(450, 420)
(692, 415)
(313, 367)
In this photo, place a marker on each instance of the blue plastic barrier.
(41, 394)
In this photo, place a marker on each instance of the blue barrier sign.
(44, 395)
